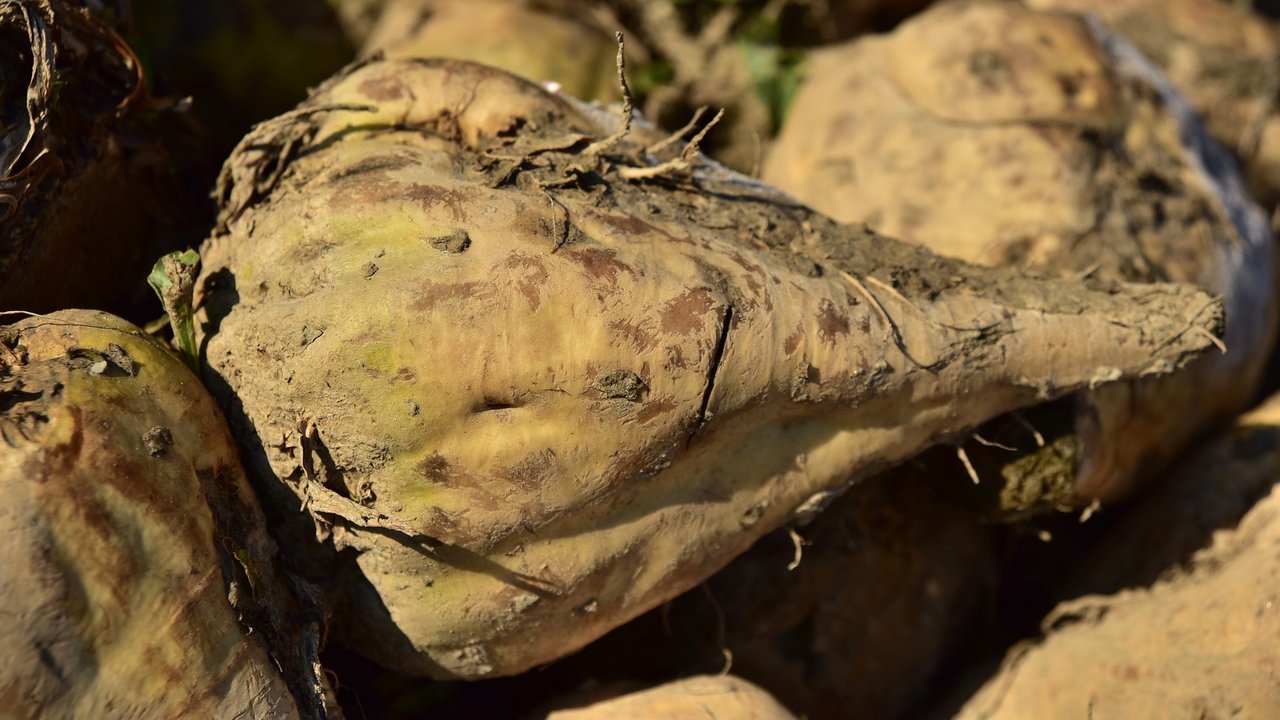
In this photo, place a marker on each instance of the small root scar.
(490, 404)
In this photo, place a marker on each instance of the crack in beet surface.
(721, 341)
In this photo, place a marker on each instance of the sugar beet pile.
(621, 359)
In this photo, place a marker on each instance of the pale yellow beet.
(530, 394)
(114, 573)
(1005, 136)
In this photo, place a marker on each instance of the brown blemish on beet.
(378, 164)
(67, 455)
(90, 512)
(444, 525)
(831, 322)
(651, 410)
(627, 224)
(53, 473)
(600, 263)
(437, 470)
(432, 294)
(96, 444)
(641, 338)
(382, 89)
(406, 374)
(675, 358)
(531, 275)
(531, 472)
(745, 264)
(684, 313)
(792, 341)
(370, 191)
(377, 190)
(434, 468)
(136, 480)
(431, 196)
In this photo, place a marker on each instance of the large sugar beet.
(114, 573)
(535, 384)
(1006, 136)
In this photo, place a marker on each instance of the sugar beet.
(1006, 136)
(535, 383)
(124, 593)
